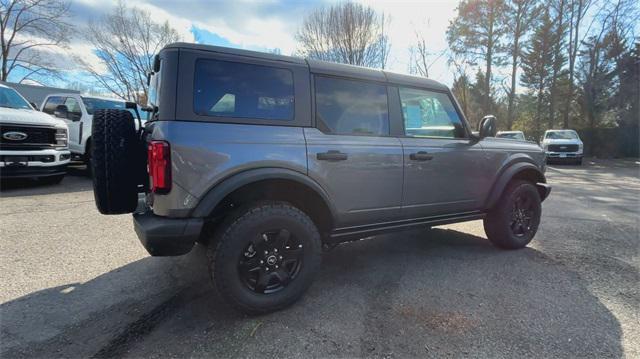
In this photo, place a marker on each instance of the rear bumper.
(162, 236)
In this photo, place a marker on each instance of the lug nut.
(299, 245)
(280, 257)
(266, 252)
(267, 269)
(261, 262)
(275, 250)
(276, 266)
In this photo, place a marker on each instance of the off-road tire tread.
(114, 143)
(224, 234)
(496, 222)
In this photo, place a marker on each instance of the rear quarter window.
(240, 90)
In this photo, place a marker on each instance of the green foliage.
(476, 34)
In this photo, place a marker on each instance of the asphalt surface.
(74, 283)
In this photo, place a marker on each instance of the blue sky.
(264, 25)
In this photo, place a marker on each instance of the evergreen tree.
(537, 66)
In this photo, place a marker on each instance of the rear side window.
(232, 89)
(51, 104)
(349, 107)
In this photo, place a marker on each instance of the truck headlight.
(61, 137)
(580, 147)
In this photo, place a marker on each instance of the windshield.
(10, 98)
(561, 135)
(93, 104)
(514, 136)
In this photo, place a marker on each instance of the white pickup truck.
(77, 111)
(32, 144)
(562, 145)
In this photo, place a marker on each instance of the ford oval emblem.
(15, 136)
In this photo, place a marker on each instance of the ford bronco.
(269, 159)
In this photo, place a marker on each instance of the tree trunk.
(573, 52)
(512, 93)
(489, 59)
(556, 66)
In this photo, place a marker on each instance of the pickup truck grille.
(37, 138)
(563, 148)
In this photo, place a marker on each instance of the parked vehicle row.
(558, 145)
(35, 144)
(77, 112)
(270, 158)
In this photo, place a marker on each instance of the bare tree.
(348, 33)
(125, 42)
(519, 18)
(26, 28)
(419, 56)
(577, 11)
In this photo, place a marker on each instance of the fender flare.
(508, 173)
(226, 186)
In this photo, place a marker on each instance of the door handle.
(420, 156)
(331, 155)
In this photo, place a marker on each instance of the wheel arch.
(269, 184)
(519, 169)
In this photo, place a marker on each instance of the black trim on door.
(345, 234)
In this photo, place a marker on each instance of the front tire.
(264, 257)
(514, 221)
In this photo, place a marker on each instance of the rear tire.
(514, 221)
(115, 161)
(264, 257)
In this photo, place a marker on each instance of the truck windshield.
(92, 104)
(512, 135)
(561, 135)
(11, 99)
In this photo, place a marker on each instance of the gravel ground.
(74, 283)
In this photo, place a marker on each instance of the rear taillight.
(160, 166)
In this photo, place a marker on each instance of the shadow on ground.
(436, 293)
(76, 180)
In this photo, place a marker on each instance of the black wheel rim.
(522, 215)
(271, 261)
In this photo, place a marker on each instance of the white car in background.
(513, 135)
(32, 144)
(77, 111)
(563, 145)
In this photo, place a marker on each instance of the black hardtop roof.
(323, 67)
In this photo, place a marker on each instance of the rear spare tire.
(115, 161)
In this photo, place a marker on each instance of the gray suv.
(270, 159)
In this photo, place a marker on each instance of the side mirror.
(61, 111)
(488, 126)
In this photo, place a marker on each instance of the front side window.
(51, 104)
(349, 107)
(239, 90)
(429, 114)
